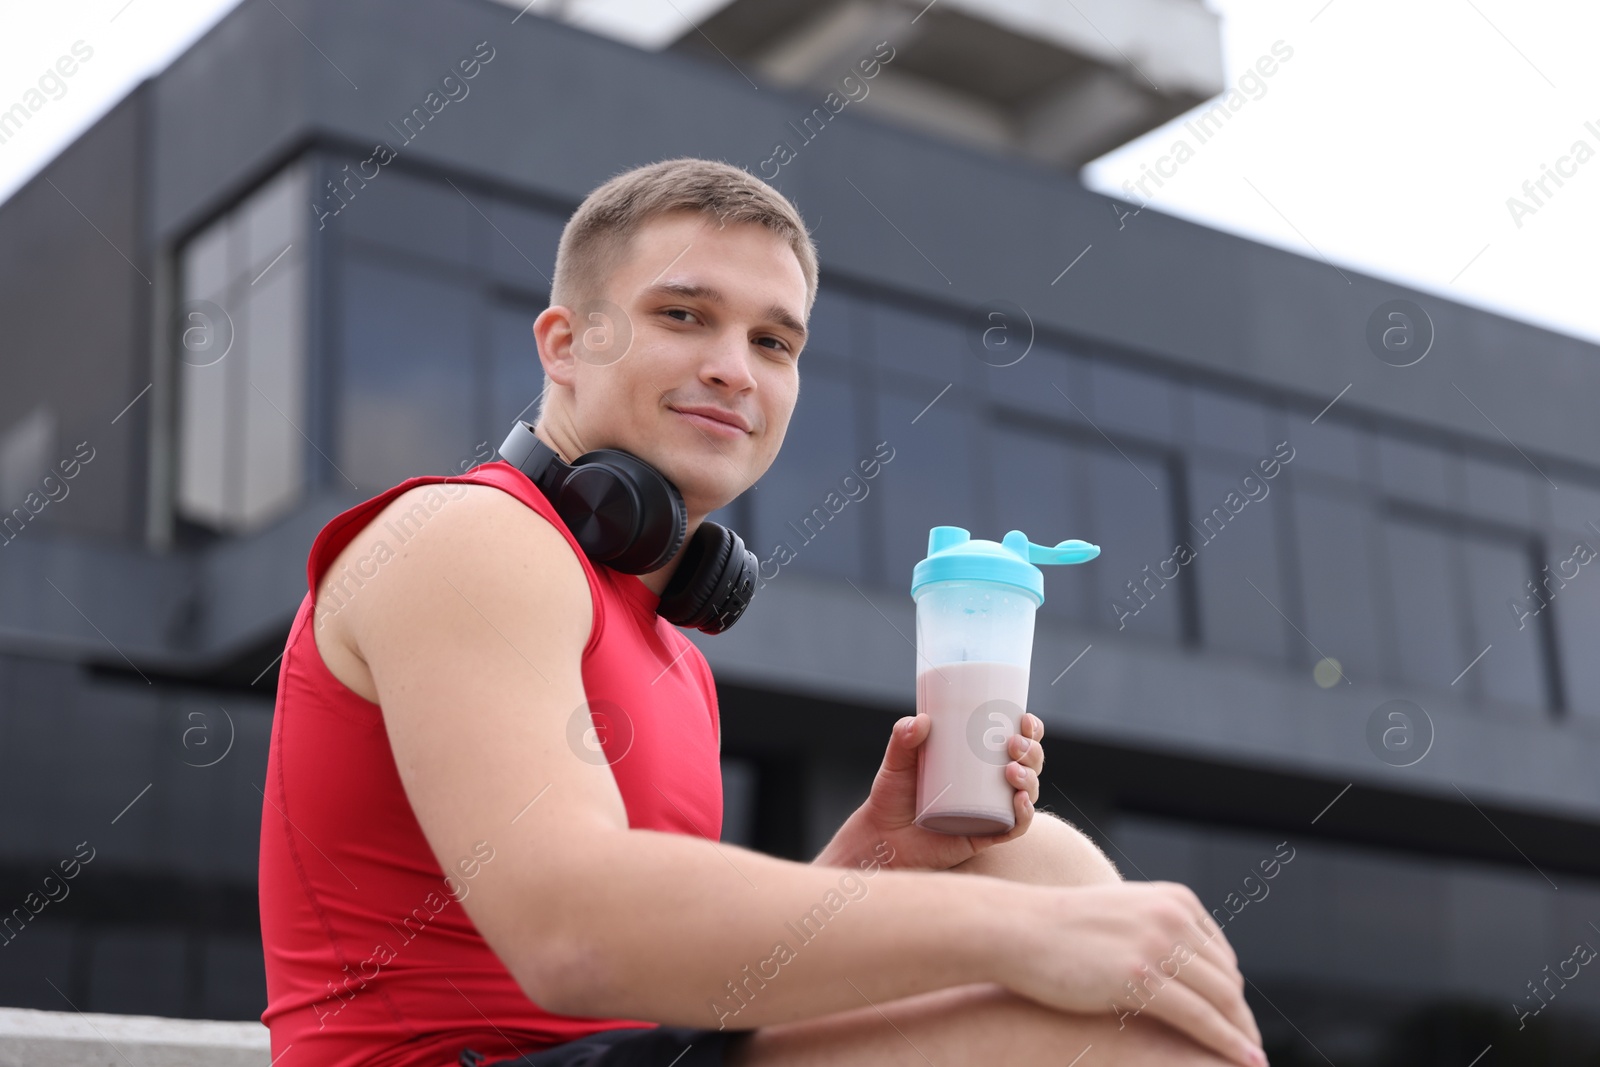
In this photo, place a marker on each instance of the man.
(493, 803)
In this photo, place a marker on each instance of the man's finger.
(1218, 987)
(1211, 933)
(901, 754)
(1026, 751)
(1024, 781)
(1181, 1007)
(1215, 943)
(1024, 815)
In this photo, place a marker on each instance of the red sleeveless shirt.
(370, 957)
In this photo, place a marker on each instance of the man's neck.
(657, 580)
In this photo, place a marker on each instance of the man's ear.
(553, 336)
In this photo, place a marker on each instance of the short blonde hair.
(596, 239)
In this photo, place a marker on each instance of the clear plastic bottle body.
(974, 648)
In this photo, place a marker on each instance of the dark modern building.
(301, 264)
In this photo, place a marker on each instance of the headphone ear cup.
(713, 583)
(623, 512)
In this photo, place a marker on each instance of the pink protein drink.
(975, 610)
(964, 784)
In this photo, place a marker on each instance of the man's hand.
(1131, 949)
(890, 811)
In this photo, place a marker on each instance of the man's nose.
(728, 362)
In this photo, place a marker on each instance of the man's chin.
(714, 476)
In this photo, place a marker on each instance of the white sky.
(129, 40)
(1389, 143)
(1392, 140)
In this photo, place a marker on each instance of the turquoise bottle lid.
(953, 554)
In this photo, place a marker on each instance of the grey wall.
(75, 318)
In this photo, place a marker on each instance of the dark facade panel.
(77, 285)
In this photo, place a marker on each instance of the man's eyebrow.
(776, 313)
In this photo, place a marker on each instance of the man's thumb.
(902, 752)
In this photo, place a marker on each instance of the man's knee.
(1078, 848)
(1052, 852)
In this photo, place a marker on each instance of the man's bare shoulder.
(426, 544)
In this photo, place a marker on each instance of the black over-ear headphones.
(627, 515)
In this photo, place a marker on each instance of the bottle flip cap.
(954, 555)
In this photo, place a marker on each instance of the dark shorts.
(660, 1046)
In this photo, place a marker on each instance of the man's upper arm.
(474, 635)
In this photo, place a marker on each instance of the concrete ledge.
(31, 1038)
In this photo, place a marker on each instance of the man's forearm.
(689, 932)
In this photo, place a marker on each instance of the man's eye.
(678, 311)
(781, 346)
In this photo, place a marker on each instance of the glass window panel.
(1327, 447)
(1411, 471)
(1038, 383)
(515, 374)
(208, 393)
(137, 971)
(1130, 401)
(27, 450)
(1497, 491)
(810, 499)
(829, 330)
(272, 336)
(272, 218)
(919, 344)
(1230, 422)
(930, 481)
(1235, 543)
(1132, 524)
(205, 264)
(1577, 621)
(1576, 507)
(411, 214)
(1336, 579)
(1038, 483)
(405, 381)
(235, 970)
(241, 371)
(1513, 668)
(738, 801)
(522, 243)
(203, 419)
(998, 335)
(1423, 575)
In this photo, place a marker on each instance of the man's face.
(699, 317)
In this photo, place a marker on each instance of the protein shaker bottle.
(976, 601)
